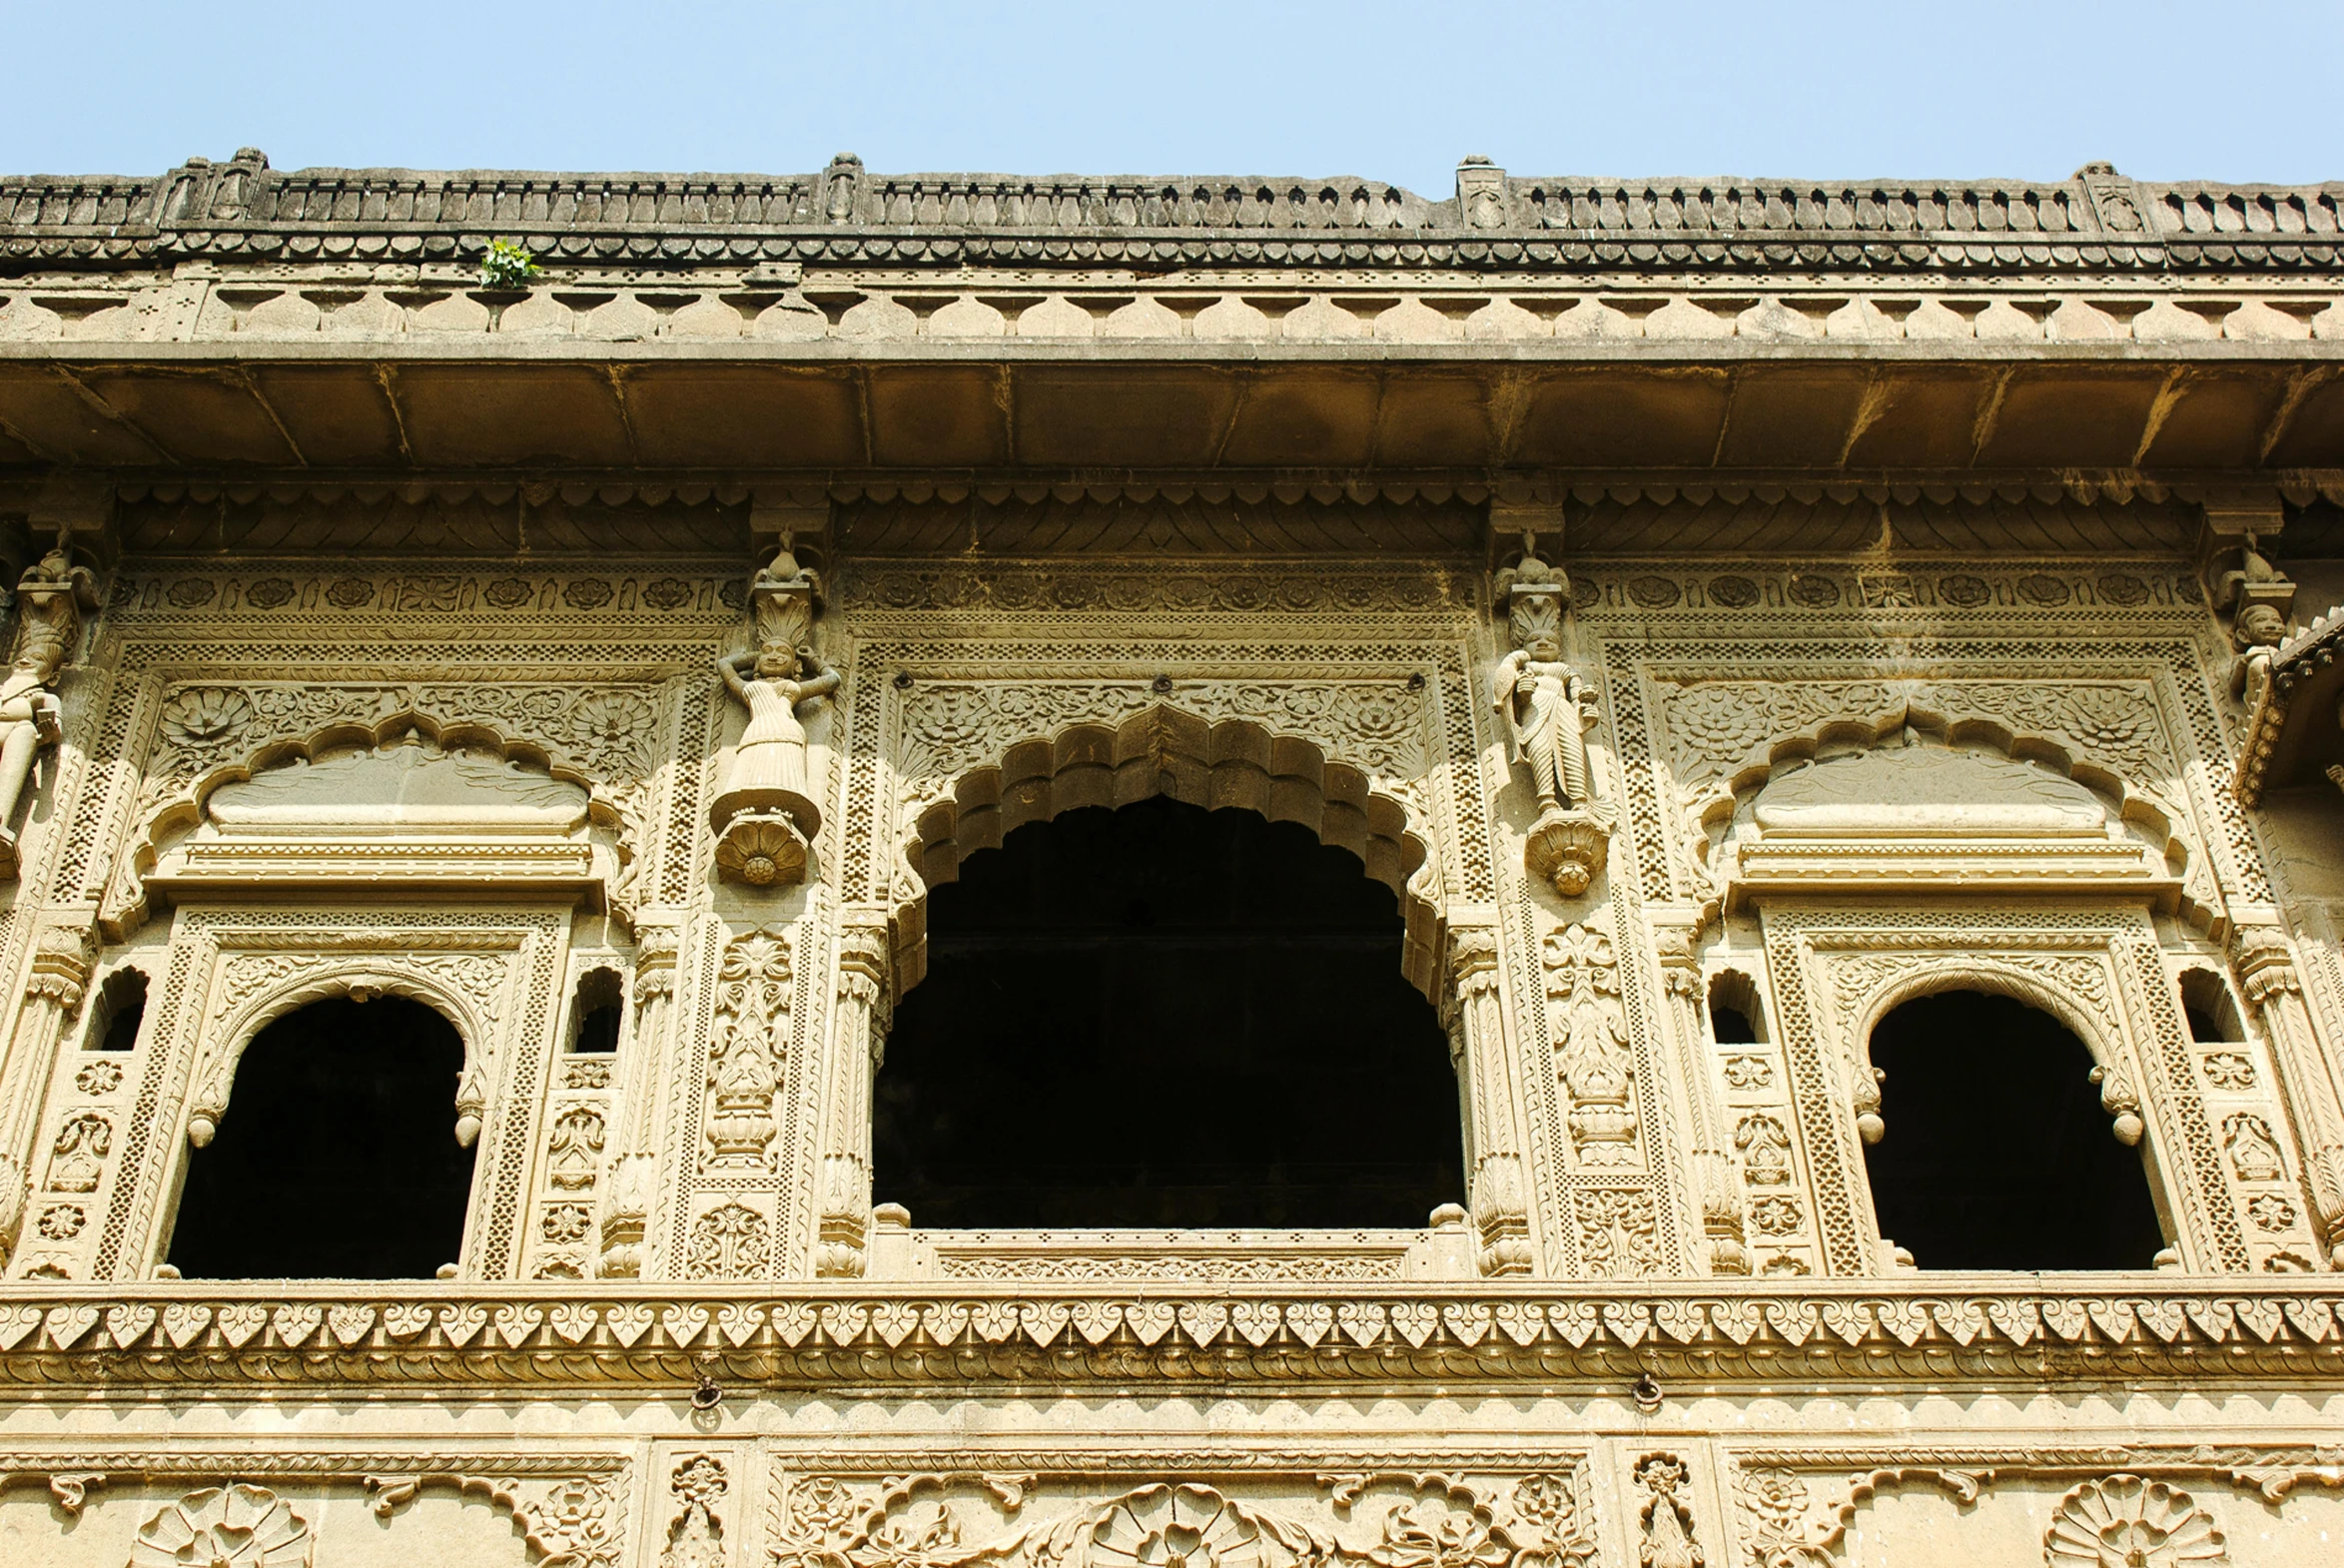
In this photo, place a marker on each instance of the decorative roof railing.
(2097, 220)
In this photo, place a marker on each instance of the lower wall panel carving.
(1225, 1498)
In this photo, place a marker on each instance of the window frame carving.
(233, 971)
(1835, 971)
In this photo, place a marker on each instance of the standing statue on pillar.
(51, 600)
(1545, 708)
(765, 816)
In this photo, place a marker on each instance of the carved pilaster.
(1715, 1185)
(631, 1177)
(53, 992)
(858, 1040)
(2275, 988)
(1498, 1193)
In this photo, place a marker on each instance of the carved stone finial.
(1482, 193)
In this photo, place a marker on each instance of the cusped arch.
(2132, 805)
(182, 811)
(1165, 751)
(2111, 1060)
(1711, 813)
(1983, 973)
(243, 1023)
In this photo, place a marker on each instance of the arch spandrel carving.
(1725, 740)
(207, 736)
(254, 990)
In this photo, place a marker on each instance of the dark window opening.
(1998, 1152)
(1161, 1016)
(1733, 1009)
(121, 1008)
(2206, 1004)
(336, 1158)
(595, 1013)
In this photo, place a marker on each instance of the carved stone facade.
(1582, 559)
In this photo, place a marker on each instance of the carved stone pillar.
(2267, 972)
(1497, 1186)
(1717, 1186)
(630, 1184)
(62, 956)
(858, 1041)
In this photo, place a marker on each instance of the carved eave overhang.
(65, 1338)
(2294, 728)
(1959, 410)
(236, 318)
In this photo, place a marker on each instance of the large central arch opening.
(1997, 1151)
(336, 1158)
(1158, 1016)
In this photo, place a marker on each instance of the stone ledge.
(427, 1339)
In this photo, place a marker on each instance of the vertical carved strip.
(1717, 1188)
(858, 1040)
(1665, 1518)
(745, 1064)
(1497, 1195)
(631, 1179)
(2307, 1082)
(53, 992)
(2212, 1212)
(1844, 1252)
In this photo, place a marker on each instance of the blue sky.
(2245, 90)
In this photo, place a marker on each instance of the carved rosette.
(2128, 1523)
(225, 1527)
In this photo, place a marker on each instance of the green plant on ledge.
(506, 266)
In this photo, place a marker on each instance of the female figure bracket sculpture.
(765, 815)
(1544, 707)
(51, 598)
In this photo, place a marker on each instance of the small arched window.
(338, 1155)
(2001, 1149)
(1735, 1018)
(2206, 1004)
(595, 1013)
(120, 1009)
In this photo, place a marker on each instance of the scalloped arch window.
(1160, 1016)
(336, 1158)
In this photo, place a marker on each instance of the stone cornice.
(2096, 222)
(428, 1339)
